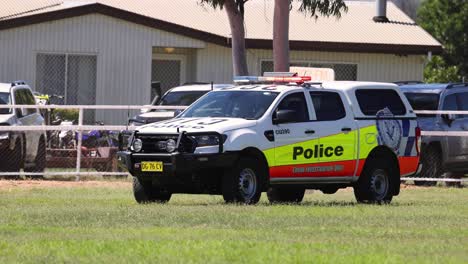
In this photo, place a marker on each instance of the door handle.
(346, 129)
(308, 131)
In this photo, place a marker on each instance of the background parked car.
(183, 95)
(441, 154)
(25, 149)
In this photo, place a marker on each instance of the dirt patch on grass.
(27, 184)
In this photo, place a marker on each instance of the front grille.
(155, 143)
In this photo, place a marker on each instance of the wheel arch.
(385, 153)
(254, 152)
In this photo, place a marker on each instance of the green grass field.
(95, 223)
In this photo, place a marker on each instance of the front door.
(293, 140)
(457, 146)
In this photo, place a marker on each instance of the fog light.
(137, 145)
(171, 145)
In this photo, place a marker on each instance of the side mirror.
(284, 116)
(124, 137)
(448, 118)
(145, 110)
(19, 112)
(177, 112)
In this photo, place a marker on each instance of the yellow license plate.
(152, 166)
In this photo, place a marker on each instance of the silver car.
(441, 154)
(21, 149)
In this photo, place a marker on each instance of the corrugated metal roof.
(355, 26)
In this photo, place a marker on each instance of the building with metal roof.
(109, 51)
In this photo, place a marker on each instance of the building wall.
(123, 50)
(371, 67)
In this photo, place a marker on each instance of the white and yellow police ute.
(280, 135)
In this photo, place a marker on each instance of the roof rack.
(407, 82)
(16, 83)
(194, 83)
(456, 85)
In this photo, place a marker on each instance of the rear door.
(337, 133)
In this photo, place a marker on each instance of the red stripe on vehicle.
(323, 169)
(408, 164)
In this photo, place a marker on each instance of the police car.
(280, 135)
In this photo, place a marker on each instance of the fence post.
(78, 147)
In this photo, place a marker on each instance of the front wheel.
(145, 192)
(12, 160)
(431, 166)
(374, 184)
(40, 161)
(285, 194)
(242, 184)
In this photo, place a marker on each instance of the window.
(373, 100)
(181, 98)
(296, 102)
(463, 103)
(423, 101)
(240, 104)
(343, 71)
(24, 97)
(69, 75)
(450, 103)
(4, 100)
(328, 106)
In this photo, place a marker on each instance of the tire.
(242, 183)
(454, 175)
(329, 190)
(13, 161)
(40, 161)
(375, 185)
(283, 194)
(431, 166)
(144, 192)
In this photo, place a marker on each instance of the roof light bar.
(271, 79)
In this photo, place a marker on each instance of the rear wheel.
(282, 194)
(242, 184)
(374, 184)
(431, 166)
(145, 192)
(454, 175)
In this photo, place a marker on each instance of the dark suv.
(441, 154)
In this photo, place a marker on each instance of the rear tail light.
(418, 139)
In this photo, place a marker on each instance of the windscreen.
(239, 104)
(181, 98)
(5, 100)
(423, 101)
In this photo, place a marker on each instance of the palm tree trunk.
(281, 36)
(236, 22)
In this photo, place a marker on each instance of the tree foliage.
(325, 8)
(220, 4)
(447, 21)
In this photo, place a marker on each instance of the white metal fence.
(100, 161)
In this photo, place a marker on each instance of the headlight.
(208, 140)
(171, 145)
(4, 135)
(137, 145)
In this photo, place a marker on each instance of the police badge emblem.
(389, 129)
